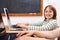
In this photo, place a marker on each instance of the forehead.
(48, 8)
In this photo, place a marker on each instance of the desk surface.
(10, 31)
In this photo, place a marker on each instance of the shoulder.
(53, 20)
(53, 23)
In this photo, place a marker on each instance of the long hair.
(53, 9)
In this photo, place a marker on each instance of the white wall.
(25, 19)
(21, 19)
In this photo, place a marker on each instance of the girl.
(49, 22)
(41, 29)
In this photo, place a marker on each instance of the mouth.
(48, 15)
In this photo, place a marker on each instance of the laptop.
(11, 27)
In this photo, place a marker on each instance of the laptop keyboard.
(13, 27)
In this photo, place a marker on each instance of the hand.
(27, 33)
(21, 33)
(23, 25)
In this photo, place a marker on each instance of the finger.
(17, 34)
(21, 33)
(16, 25)
(29, 34)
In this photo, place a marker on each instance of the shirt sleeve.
(49, 26)
(36, 24)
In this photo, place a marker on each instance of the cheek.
(46, 14)
(51, 15)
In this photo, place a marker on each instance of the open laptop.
(11, 27)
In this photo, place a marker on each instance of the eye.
(50, 11)
(46, 11)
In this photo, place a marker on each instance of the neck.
(47, 19)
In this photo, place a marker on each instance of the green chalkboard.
(21, 6)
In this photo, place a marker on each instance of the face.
(48, 13)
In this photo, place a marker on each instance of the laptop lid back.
(7, 17)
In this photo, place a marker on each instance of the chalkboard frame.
(28, 14)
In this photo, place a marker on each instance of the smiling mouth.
(48, 15)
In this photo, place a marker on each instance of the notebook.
(11, 27)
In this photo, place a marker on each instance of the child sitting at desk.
(44, 27)
(49, 22)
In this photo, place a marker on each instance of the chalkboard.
(21, 6)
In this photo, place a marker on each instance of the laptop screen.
(6, 13)
(11, 27)
(7, 17)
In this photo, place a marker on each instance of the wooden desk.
(10, 31)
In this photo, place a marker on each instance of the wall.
(25, 19)
(20, 19)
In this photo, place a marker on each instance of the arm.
(48, 34)
(42, 34)
(31, 38)
(49, 26)
(36, 24)
(26, 25)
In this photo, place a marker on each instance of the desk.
(10, 31)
